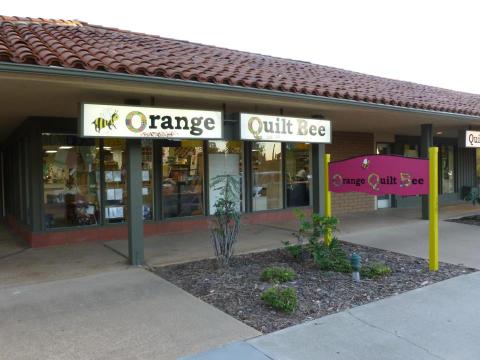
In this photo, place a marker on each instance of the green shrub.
(375, 270)
(280, 299)
(279, 274)
(330, 257)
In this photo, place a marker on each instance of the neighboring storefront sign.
(380, 175)
(281, 128)
(472, 139)
(149, 122)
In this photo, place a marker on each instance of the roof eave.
(61, 71)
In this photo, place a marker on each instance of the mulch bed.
(470, 220)
(236, 290)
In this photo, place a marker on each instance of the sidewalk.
(440, 321)
(122, 314)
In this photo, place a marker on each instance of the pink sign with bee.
(380, 175)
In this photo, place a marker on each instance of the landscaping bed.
(470, 220)
(237, 289)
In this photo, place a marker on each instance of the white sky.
(428, 42)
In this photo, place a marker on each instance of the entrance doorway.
(384, 201)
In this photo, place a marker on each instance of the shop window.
(447, 169)
(410, 150)
(297, 170)
(115, 174)
(267, 185)
(70, 181)
(147, 179)
(225, 157)
(182, 179)
(115, 177)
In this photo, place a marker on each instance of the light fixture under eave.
(439, 133)
(65, 147)
(50, 151)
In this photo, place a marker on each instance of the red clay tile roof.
(75, 44)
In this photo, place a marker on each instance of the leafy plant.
(225, 227)
(331, 257)
(313, 228)
(375, 270)
(278, 274)
(283, 299)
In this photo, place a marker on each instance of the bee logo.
(365, 163)
(101, 123)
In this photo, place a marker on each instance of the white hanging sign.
(472, 139)
(149, 122)
(281, 128)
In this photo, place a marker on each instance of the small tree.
(225, 227)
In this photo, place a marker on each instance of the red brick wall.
(346, 145)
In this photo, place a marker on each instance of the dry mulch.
(236, 290)
(470, 220)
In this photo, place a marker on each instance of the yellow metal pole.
(327, 194)
(433, 207)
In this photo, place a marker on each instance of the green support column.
(426, 141)
(135, 202)
(318, 152)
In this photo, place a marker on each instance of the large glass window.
(225, 157)
(182, 184)
(147, 179)
(267, 185)
(115, 175)
(70, 181)
(297, 169)
(447, 168)
(410, 150)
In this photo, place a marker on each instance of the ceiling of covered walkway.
(25, 95)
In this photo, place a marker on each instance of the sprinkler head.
(356, 262)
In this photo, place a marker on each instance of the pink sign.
(380, 175)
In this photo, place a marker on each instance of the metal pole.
(135, 202)
(433, 207)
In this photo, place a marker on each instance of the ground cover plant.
(283, 299)
(278, 274)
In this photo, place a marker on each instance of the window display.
(447, 156)
(267, 186)
(225, 157)
(182, 184)
(297, 170)
(70, 181)
(147, 179)
(115, 175)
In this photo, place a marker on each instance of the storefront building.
(69, 173)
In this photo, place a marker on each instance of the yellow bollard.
(433, 207)
(327, 194)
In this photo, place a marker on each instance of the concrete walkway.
(182, 247)
(125, 314)
(402, 231)
(440, 321)
(399, 230)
